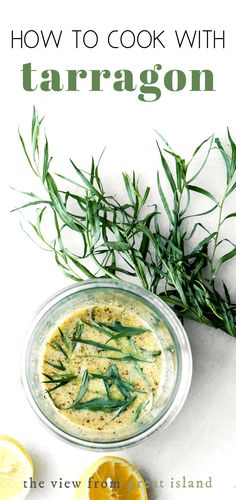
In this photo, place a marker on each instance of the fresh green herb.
(132, 332)
(101, 404)
(99, 345)
(143, 377)
(60, 366)
(139, 410)
(124, 331)
(127, 390)
(68, 343)
(114, 378)
(107, 388)
(132, 344)
(120, 241)
(77, 332)
(60, 382)
(100, 328)
(83, 388)
(124, 387)
(65, 338)
(126, 335)
(47, 376)
(118, 358)
(126, 352)
(55, 345)
(127, 403)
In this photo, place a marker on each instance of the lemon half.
(111, 478)
(15, 467)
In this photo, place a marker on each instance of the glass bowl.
(150, 308)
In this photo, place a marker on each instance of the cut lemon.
(15, 467)
(111, 478)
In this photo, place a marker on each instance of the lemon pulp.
(15, 467)
(111, 478)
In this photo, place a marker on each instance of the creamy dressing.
(135, 380)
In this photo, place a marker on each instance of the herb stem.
(119, 241)
(216, 238)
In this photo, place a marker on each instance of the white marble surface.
(201, 442)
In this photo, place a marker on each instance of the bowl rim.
(184, 349)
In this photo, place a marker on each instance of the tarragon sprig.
(125, 237)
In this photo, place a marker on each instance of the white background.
(201, 441)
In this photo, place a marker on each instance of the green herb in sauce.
(102, 368)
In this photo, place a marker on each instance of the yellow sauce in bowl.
(102, 369)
